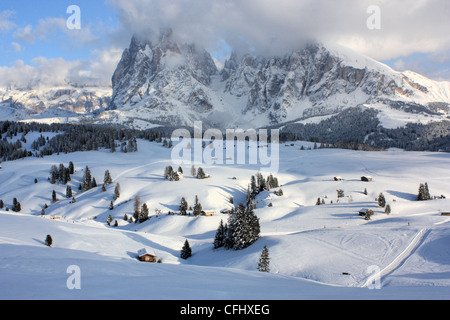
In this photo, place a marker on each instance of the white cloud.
(5, 22)
(275, 26)
(17, 47)
(48, 28)
(44, 72)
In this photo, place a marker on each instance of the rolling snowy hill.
(317, 252)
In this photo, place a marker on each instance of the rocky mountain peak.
(172, 82)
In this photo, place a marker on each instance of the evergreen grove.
(241, 230)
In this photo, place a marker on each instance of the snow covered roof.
(146, 251)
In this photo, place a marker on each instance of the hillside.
(317, 252)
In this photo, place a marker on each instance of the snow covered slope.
(317, 252)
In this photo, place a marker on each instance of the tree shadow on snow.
(39, 241)
(403, 195)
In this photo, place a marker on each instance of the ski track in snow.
(399, 260)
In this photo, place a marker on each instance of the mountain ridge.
(166, 82)
(185, 86)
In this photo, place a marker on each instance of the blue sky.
(95, 15)
(35, 42)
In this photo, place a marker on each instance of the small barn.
(208, 213)
(365, 212)
(445, 214)
(147, 255)
(337, 178)
(366, 179)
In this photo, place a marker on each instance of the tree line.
(71, 138)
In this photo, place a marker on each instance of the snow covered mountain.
(166, 82)
(174, 83)
(52, 103)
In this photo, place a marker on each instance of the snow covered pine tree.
(264, 260)
(186, 251)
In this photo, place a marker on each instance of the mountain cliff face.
(166, 82)
(177, 84)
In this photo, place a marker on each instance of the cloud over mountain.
(269, 26)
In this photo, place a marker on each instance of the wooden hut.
(366, 179)
(365, 212)
(147, 255)
(208, 213)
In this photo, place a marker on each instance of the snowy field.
(317, 252)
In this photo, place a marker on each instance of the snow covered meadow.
(322, 251)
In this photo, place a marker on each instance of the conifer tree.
(137, 208)
(427, 192)
(16, 207)
(254, 190)
(71, 168)
(197, 208)
(200, 173)
(67, 177)
(264, 260)
(1, 204)
(388, 210)
(183, 207)
(87, 180)
(168, 172)
(229, 239)
(424, 192)
(143, 216)
(117, 192)
(69, 192)
(254, 228)
(111, 206)
(54, 174)
(193, 171)
(54, 197)
(62, 174)
(186, 251)
(239, 230)
(245, 228)
(381, 200)
(48, 241)
(219, 239)
(270, 181)
(421, 196)
(107, 180)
